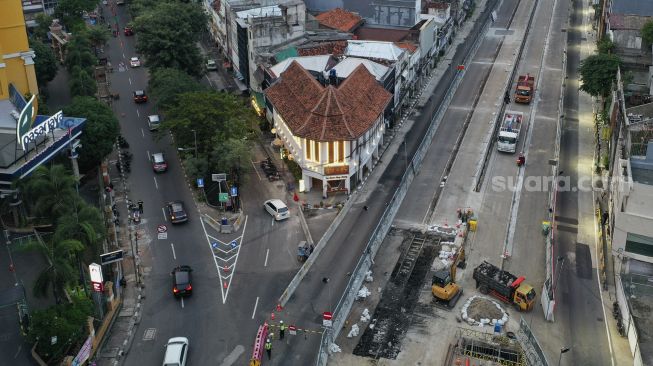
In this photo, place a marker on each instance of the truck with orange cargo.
(525, 89)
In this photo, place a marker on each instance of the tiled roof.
(330, 113)
(336, 48)
(339, 19)
(407, 46)
(627, 22)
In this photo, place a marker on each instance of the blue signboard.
(234, 191)
(200, 182)
(214, 245)
(234, 244)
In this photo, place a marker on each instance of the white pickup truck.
(509, 131)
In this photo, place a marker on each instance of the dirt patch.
(482, 308)
(394, 313)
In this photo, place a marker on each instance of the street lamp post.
(195, 136)
(562, 350)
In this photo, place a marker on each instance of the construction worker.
(282, 329)
(268, 348)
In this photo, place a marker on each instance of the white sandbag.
(333, 348)
(354, 331)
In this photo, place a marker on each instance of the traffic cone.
(279, 308)
(272, 315)
(224, 284)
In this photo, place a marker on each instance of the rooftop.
(374, 49)
(262, 12)
(345, 67)
(382, 34)
(339, 19)
(621, 21)
(632, 7)
(328, 113)
(639, 294)
(318, 63)
(336, 48)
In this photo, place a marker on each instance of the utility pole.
(195, 135)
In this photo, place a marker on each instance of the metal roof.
(349, 64)
(312, 63)
(266, 11)
(374, 49)
(632, 7)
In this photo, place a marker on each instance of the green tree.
(138, 7)
(166, 84)
(82, 222)
(45, 63)
(168, 35)
(97, 35)
(597, 73)
(81, 83)
(82, 58)
(231, 155)
(647, 33)
(43, 22)
(100, 131)
(66, 322)
(60, 272)
(605, 45)
(71, 11)
(48, 190)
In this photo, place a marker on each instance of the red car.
(129, 31)
(159, 163)
(140, 96)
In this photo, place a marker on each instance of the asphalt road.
(220, 322)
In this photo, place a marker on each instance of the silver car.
(277, 209)
(153, 122)
(176, 352)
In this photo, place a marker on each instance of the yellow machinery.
(444, 288)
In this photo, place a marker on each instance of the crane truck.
(509, 131)
(504, 285)
(524, 89)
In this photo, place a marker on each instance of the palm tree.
(60, 272)
(82, 222)
(49, 189)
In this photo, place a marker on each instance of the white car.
(211, 65)
(153, 122)
(277, 209)
(135, 62)
(176, 352)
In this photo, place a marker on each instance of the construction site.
(415, 307)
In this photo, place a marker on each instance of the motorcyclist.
(521, 160)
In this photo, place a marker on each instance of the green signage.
(223, 197)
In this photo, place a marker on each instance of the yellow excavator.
(444, 288)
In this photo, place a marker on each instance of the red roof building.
(340, 19)
(332, 131)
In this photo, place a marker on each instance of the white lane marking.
(174, 256)
(182, 302)
(21, 346)
(267, 253)
(138, 113)
(209, 80)
(142, 133)
(130, 81)
(256, 170)
(148, 152)
(273, 221)
(233, 356)
(155, 184)
(255, 305)
(164, 214)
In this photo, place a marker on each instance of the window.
(639, 244)
(332, 157)
(316, 148)
(341, 151)
(308, 150)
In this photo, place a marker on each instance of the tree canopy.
(598, 72)
(100, 131)
(71, 11)
(45, 63)
(223, 124)
(647, 33)
(166, 84)
(168, 35)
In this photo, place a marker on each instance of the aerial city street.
(314, 182)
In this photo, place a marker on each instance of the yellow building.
(17, 63)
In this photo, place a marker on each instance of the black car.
(176, 212)
(181, 281)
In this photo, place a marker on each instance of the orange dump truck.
(525, 89)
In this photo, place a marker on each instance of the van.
(277, 209)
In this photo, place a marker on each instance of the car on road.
(211, 65)
(182, 281)
(176, 352)
(176, 212)
(135, 62)
(153, 122)
(129, 31)
(159, 164)
(277, 209)
(140, 96)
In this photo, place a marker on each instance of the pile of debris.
(479, 310)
